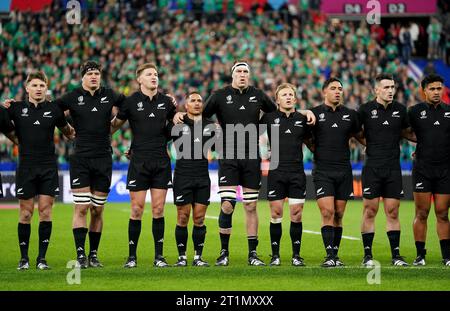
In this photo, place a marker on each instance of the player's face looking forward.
(91, 80)
(149, 79)
(433, 92)
(385, 90)
(36, 89)
(241, 77)
(194, 104)
(333, 93)
(286, 99)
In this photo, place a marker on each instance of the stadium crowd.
(194, 51)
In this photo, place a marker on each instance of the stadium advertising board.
(388, 7)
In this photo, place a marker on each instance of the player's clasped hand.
(7, 103)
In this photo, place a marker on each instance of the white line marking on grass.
(306, 231)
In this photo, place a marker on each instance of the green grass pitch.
(238, 276)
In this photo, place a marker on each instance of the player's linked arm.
(116, 124)
(408, 133)
(12, 137)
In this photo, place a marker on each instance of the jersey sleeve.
(60, 118)
(172, 109)
(211, 106)
(6, 125)
(124, 110)
(118, 99)
(356, 122)
(410, 116)
(405, 119)
(267, 103)
(63, 102)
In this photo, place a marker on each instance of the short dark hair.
(383, 76)
(90, 65)
(142, 67)
(39, 74)
(191, 93)
(329, 81)
(430, 79)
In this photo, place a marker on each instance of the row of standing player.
(90, 108)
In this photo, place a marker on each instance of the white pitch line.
(306, 231)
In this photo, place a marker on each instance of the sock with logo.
(158, 235)
(134, 231)
(394, 241)
(79, 235)
(328, 237)
(24, 232)
(337, 239)
(275, 237)
(181, 237)
(198, 237)
(367, 238)
(296, 231)
(45, 231)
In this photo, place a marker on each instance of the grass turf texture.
(238, 276)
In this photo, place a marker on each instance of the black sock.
(367, 238)
(79, 234)
(198, 237)
(420, 247)
(134, 231)
(445, 248)
(252, 243)
(224, 240)
(296, 231)
(158, 235)
(275, 237)
(24, 232)
(94, 241)
(181, 237)
(394, 241)
(328, 237)
(337, 239)
(45, 231)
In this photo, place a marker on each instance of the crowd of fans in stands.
(194, 51)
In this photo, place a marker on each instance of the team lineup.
(95, 112)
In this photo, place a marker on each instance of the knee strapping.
(81, 197)
(250, 196)
(98, 200)
(225, 220)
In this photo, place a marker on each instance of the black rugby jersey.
(291, 131)
(148, 122)
(35, 128)
(383, 132)
(331, 133)
(431, 125)
(235, 108)
(193, 162)
(91, 117)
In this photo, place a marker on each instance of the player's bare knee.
(25, 216)
(369, 211)
(250, 207)
(422, 214)
(226, 207)
(183, 218)
(442, 216)
(296, 215)
(96, 211)
(137, 210)
(158, 211)
(276, 213)
(45, 213)
(199, 220)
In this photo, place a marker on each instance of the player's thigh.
(79, 172)
(182, 190)
(372, 183)
(27, 182)
(344, 186)
(101, 173)
(250, 173)
(297, 187)
(48, 182)
(441, 182)
(277, 185)
(393, 185)
(323, 184)
(202, 190)
(138, 176)
(161, 174)
(228, 173)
